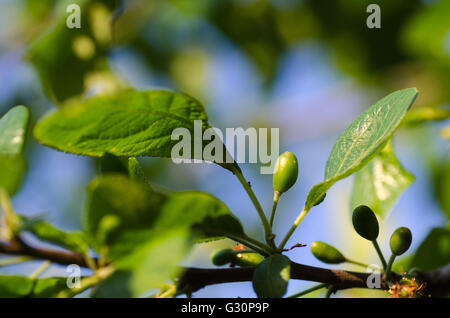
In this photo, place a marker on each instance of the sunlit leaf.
(13, 127)
(361, 141)
(380, 182)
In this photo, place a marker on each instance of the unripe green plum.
(327, 253)
(365, 222)
(400, 241)
(285, 173)
(222, 256)
(247, 259)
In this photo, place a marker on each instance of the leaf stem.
(380, 254)
(307, 291)
(356, 263)
(171, 291)
(293, 228)
(276, 196)
(389, 267)
(15, 260)
(252, 196)
(88, 282)
(40, 269)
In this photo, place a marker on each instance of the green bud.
(247, 259)
(222, 256)
(365, 222)
(327, 253)
(400, 241)
(285, 173)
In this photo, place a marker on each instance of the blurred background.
(307, 67)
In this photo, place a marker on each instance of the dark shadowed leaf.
(134, 204)
(145, 260)
(205, 214)
(271, 277)
(434, 251)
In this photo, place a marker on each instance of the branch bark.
(437, 282)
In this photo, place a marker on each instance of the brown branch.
(437, 281)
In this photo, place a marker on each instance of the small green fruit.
(400, 241)
(222, 256)
(285, 173)
(327, 253)
(365, 222)
(247, 259)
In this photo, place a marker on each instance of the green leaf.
(205, 214)
(74, 241)
(145, 260)
(361, 141)
(49, 287)
(134, 203)
(271, 276)
(434, 251)
(129, 123)
(14, 286)
(138, 207)
(441, 184)
(64, 57)
(380, 182)
(126, 124)
(13, 127)
(12, 170)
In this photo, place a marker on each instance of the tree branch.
(437, 282)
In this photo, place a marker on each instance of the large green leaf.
(202, 212)
(145, 260)
(74, 241)
(271, 276)
(129, 123)
(434, 251)
(361, 141)
(380, 182)
(13, 127)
